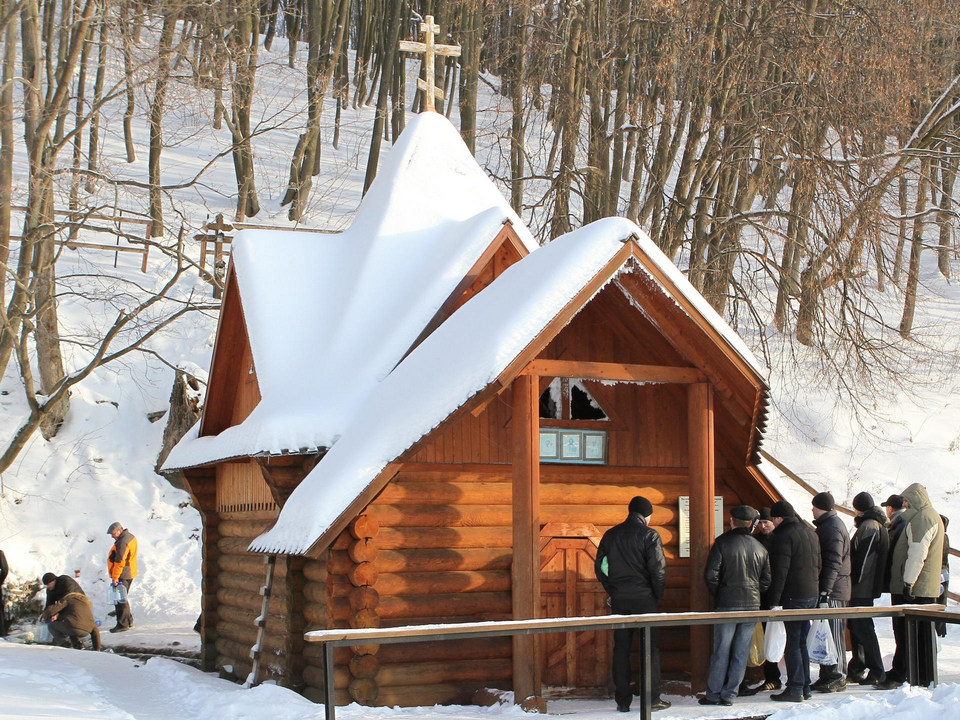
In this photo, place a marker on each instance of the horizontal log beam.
(616, 372)
(428, 673)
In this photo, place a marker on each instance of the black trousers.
(866, 655)
(924, 640)
(623, 645)
(124, 616)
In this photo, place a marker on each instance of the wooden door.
(573, 664)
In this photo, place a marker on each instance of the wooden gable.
(232, 389)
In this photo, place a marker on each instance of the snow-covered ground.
(40, 681)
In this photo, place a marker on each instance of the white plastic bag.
(775, 640)
(820, 645)
(42, 634)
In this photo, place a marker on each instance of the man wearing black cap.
(834, 585)
(737, 572)
(59, 587)
(632, 569)
(868, 559)
(795, 569)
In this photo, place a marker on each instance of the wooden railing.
(138, 245)
(913, 614)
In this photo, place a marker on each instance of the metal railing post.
(931, 658)
(910, 626)
(329, 696)
(646, 689)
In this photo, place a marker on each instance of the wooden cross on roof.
(430, 50)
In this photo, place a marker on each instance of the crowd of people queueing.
(772, 559)
(68, 612)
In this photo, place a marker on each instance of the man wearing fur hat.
(868, 560)
(834, 584)
(632, 569)
(915, 577)
(795, 570)
(737, 573)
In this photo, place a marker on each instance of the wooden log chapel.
(428, 418)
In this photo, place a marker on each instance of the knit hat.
(782, 509)
(641, 505)
(823, 501)
(863, 501)
(48, 578)
(895, 501)
(744, 512)
(114, 528)
(765, 514)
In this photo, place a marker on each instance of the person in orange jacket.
(122, 567)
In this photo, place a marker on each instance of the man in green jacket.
(915, 578)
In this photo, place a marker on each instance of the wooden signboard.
(684, 503)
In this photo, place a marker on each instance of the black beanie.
(863, 501)
(641, 505)
(48, 578)
(782, 509)
(823, 501)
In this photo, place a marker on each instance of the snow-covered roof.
(330, 316)
(460, 359)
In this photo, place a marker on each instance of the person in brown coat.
(72, 619)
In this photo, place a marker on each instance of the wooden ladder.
(261, 622)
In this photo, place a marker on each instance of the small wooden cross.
(430, 50)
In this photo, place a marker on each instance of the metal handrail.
(331, 639)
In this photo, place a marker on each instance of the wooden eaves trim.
(617, 372)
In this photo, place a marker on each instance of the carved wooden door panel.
(573, 664)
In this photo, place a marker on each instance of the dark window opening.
(566, 399)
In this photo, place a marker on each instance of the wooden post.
(526, 539)
(700, 439)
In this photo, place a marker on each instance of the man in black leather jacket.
(632, 569)
(737, 572)
(795, 566)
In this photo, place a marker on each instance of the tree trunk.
(471, 38)
(916, 248)
(156, 122)
(93, 151)
(386, 71)
(6, 143)
(948, 176)
(131, 109)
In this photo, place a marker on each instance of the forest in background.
(796, 158)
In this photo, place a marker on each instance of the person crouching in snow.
(122, 566)
(72, 619)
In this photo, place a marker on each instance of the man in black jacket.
(868, 560)
(834, 585)
(894, 508)
(737, 572)
(795, 570)
(632, 569)
(59, 587)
